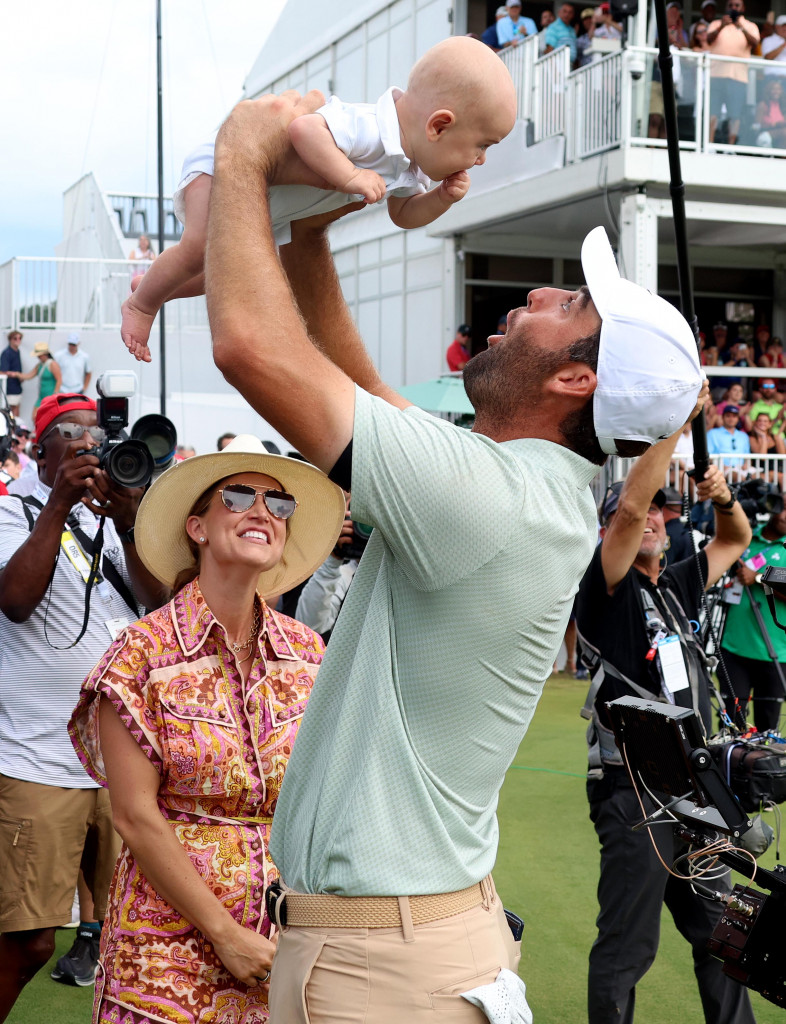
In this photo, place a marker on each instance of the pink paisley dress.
(221, 747)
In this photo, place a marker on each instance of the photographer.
(323, 595)
(730, 36)
(628, 603)
(49, 809)
(750, 667)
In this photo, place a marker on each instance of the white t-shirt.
(73, 368)
(367, 133)
(776, 66)
(39, 686)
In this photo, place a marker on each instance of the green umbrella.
(445, 394)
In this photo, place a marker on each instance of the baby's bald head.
(460, 100)
(466, 76)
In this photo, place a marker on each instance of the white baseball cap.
(649, 375)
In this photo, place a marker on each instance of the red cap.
(56, 405)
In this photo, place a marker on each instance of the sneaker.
(78, 966)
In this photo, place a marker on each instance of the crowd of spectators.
(723, 32)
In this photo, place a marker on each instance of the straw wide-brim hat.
(312, 532)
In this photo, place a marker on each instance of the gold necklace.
(237, 648)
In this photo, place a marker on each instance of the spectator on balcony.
(674, 19)
(490, 37)
(720, 337)
(561, 32)
(735, 395)
(584, 54)
(773, 48)
(143, 255)
(764, 440)
(727, 440)
(698, 40)
(74, 365)
(11, 360)
(513, 27)
(547, 18)
(730, 36)
(772, 356)
(47, 371)
(768, 403)
(761, 341)
(709, 11)
(460, 349)
(605, 26)
(770, 117)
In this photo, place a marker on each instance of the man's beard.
(505, 377)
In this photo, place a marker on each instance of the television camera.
(669, 763)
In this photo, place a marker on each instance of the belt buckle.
(275, 903)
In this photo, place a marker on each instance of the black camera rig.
(665, 755)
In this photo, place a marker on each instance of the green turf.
(546, 871)
(48, 1002)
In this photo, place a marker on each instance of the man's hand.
(701, 401)
(257, 132)
(344, 538)
(367, 183)
(713, 486)
(74, 475)
(745, 575)
(316, 225)
(455, 187)
(105, 498)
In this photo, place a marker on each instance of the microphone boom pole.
(677, 192)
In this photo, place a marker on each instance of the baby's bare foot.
(135, 330)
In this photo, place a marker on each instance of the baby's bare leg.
(170, 273)
(194, 286)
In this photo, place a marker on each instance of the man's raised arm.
(260, 342)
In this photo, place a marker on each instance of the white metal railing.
(138, 215)
(737, 468)
(520, 60)
(68, 293)
(613, 101)
(594, 103)
(550, 87)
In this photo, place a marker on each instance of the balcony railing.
(138, 215)
(616, 100)
(69, 293)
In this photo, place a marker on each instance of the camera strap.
(88, 546)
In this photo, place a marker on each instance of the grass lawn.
(546, 872)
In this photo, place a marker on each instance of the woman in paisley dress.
(189, 720)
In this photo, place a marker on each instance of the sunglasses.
(76, 431)
(241, 497)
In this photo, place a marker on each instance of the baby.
(459, 100)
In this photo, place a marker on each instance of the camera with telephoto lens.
(134, 461)
(757, 497)
(734, 14)
(356, 547)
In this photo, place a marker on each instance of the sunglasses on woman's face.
(241, 497)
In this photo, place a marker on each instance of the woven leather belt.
(323, 910)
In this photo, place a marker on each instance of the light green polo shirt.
(438, 658)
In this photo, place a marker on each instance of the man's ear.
(573, 380)
(438, 123)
